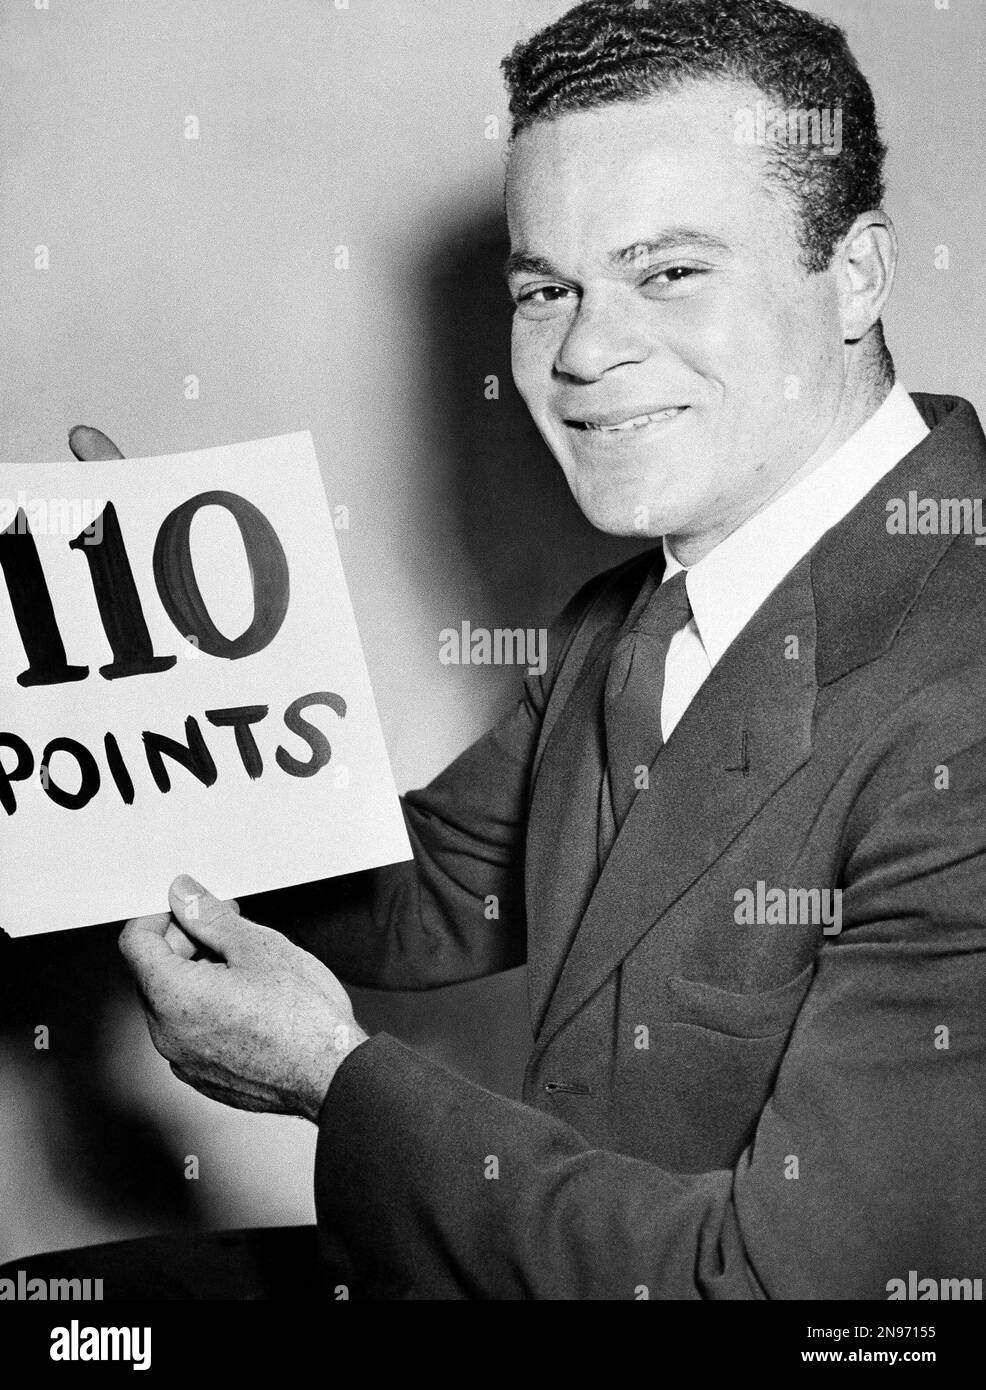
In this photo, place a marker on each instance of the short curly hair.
(606, 51)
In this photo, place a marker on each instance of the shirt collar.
(728, 585)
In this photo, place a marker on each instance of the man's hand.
(260, 1025)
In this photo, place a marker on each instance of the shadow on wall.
(528, 549)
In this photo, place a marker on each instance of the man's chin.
(619, 529)
(620, 516)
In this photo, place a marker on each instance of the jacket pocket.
(747, 1015)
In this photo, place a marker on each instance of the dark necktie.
(634, 686)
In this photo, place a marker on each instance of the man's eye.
(544, 294)
(543, 301)
(674, 275)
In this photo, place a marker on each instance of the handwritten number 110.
(118, 601)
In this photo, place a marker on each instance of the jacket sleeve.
(866, 1164)
(456, 910)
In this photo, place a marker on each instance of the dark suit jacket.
(711, 1110)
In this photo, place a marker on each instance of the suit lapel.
(867, 578)
(562, 866)
(745, 733)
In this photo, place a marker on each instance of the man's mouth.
(609, 424)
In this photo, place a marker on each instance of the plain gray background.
(320, 127)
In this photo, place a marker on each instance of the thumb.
(204, 917)
(180, 942)
(89, 444)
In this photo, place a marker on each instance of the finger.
(203, 917)
(180, 942)
(89, 444)
(143, 947)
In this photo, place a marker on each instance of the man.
(737, 828)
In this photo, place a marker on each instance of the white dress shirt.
(728, 585)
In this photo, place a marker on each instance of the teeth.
(637, 423)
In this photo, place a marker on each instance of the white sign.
(182, 686)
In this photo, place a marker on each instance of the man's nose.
(602, 335)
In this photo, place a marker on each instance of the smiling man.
(781, 700)
(681, 359)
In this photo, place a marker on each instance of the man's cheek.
(518, 357)
(726, 340)
(533, 348)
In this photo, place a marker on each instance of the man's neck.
(854, 410)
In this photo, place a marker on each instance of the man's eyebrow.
(672, 239)
(522, 262)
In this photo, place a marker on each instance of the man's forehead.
(697, 116)
(642, 172)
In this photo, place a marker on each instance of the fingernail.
(186, 887)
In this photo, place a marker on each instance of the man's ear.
(864, 265)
